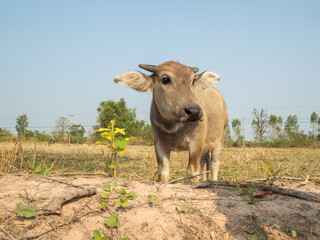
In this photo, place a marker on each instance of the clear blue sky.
(60, 57)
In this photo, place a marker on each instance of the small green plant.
(23, 211)
(116, 146)
(122, 200)
(293, 233)
(33, 164)
(124, 197)
(112, 221)
(97, 235)
(152, 199)
(249, 189)
(43, 170)
(252, 197)
(188, 208)
(271, 173)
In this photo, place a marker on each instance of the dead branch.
(306, 179)
(8, 234)
(80, 174)
(285, 178)
(72, 220)
(54, 207)
(63, 182)
(313, 197)
(185, 178)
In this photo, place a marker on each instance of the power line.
(147, 113)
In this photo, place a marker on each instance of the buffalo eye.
(165, 80)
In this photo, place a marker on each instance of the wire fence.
(88, 121)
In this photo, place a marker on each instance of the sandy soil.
(220, 213)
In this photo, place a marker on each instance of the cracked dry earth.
(66, 209)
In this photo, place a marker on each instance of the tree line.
(65, 131)
(271, 130)
(268, 130)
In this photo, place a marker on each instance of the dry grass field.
(235, 163)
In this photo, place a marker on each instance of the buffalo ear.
(206, 79)
(136, 80)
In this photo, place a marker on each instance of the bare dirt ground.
(66, 209)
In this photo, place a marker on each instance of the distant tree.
(236, 126)
(260, 124)
(61, 128)
(77, 130)
(43, 136)
(22, 124)
(36, 133)
(315, 125)
(228, 137)
(291, 126)
(123, 116)
(117, 111)
(4, 132)
(32, 134)
(276, 125)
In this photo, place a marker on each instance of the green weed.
(293, 233)
(249, 190)
(97, 235)
(188, 208)
(23, 211)
(42, 168)
(112, 221)
(123, 198)
(153, 199)
(116, 146)
(271, 173)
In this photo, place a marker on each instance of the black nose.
(193, 113)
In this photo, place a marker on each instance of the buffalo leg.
(163, 158)
(194, 164)
(215, 162)
(205, 165)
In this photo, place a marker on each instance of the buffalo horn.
(150, 68)
(195, 69)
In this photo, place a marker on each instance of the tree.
(275, 124)
(123, 116)
(22, 124)
(236, 126)
(260, 124)
(228, 138)
(77, 130)
(314, 120)
(61, 128)
(32, 134)
(43, 136)
(291, 126)
(4, 132)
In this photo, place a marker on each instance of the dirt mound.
(69, 208)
